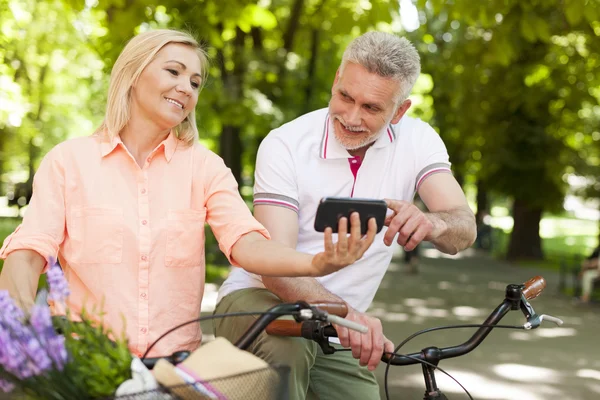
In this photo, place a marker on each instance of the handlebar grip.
(334, 319)
(284, 328)
(333, 308)
(534, 287)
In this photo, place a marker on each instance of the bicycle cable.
(438, 328)
(209, 317)
(434, 366)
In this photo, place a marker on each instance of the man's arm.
(282, 224)
(449, 224)
(453, 220)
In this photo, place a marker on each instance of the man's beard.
(363, 139)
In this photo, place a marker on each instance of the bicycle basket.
(269, 383)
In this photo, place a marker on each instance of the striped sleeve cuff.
(279, 200)
(431, 170)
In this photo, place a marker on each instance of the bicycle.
(314, 321)
(516, 297)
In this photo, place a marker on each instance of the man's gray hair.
(386, 55)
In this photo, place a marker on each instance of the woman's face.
(167, 89)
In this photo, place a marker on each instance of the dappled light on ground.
(546, 363)
(544, 333)
(482, 387)
(555, 332)
(526, 373)
(467, 312)
(433, 253)
(588, 373)
(430, 312)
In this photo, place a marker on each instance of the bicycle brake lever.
(550, 318)
(536, 320)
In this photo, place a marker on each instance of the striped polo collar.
(330, 148)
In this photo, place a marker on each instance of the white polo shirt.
(302, 161)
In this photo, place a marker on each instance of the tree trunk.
(312, 67)
(460, 178)
(525, 240)
(230, 145)
(483, 203)
(230, 142)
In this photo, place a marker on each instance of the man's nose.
(353, 117)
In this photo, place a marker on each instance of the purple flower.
(21, 353)
(11, 357)
(10, 313)
(59, 289)
(54, 344)
(6, 386)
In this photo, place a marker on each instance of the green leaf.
(542, 28)
(574, 10)
(254, 15)
(527, 29)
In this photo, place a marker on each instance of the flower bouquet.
(45, 357)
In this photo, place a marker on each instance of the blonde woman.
(124, 209)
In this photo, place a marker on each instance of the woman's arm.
(20, 276)
(258, 255)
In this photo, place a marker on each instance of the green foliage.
(98, 365)
(511, 86)
(53, 77)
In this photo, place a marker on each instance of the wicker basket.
(269, 383)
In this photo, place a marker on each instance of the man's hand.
(410, 224)
(367, 347)
(348, 249)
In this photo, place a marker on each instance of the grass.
(7, 226)
(563, 239)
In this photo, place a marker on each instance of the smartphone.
(331, 209)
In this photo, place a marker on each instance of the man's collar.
(331, 148)
(108, 145)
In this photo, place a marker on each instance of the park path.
(550, 362)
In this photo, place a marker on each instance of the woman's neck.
(141, 137)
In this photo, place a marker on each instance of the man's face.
(362, 105)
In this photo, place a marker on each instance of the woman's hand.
(348, 249)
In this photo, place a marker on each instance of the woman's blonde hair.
(137, 54)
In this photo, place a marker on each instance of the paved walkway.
(550, 362)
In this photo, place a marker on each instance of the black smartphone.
(331, 209)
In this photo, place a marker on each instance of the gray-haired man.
(362, 145)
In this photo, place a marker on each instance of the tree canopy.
(511, 86)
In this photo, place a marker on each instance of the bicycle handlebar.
(516, 297)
